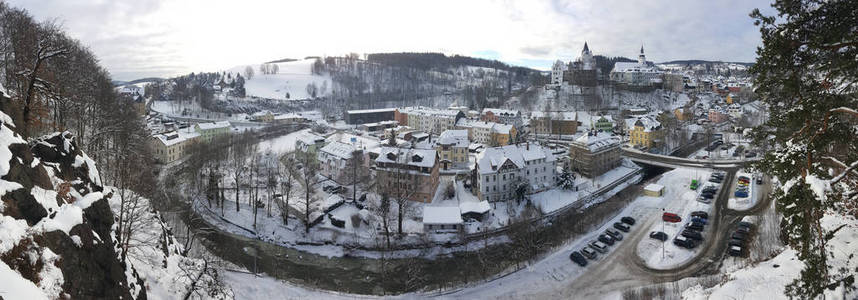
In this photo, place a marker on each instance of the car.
(579, 259)
(671, 217)
(684, 242)
(628, 220)
(699, 220)
(760, 180)
(744, 230)
(599, 246)
(704, 200)
(718, 175)
(734, 242)
(735, 251)
(707, 196)
(751, 154)
(614, 234)
(693, 184)
(714, 180)
(658, 235)
(589, 252)
(694, 226)
(608, 240)
(700, 214)
(738, 236)
(691, 234)
(742, 183)
(742, 189)
(741, 194)
(746, 224)
(622, 226)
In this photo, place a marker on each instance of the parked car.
(741, 194)
(588, 252)
(738, 236)
(658, 235)
(684, 242)
(704, 200)
(671, 217)
(614, 234)
(700, 214)
(694, 226)
(707, 195)
(608, 240)
(578, 258)
(691, 234)
(622, 226)
(628, 220)
(735, 251)
(760, 179)
(694, 184)
(599, 246)
(734, 242)
(699, 220)
(747, 225)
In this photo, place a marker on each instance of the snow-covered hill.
(292, 77)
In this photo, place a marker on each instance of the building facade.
(646, 132)
(452, 147)
(594, 153)
(209, 131)
(357, 117)
(501, 170)
(410, 172)
(637, 74)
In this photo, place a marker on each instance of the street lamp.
(662, 231)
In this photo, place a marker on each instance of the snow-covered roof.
(634, 67)
(412, 157)
(261, 113)
(309, 138)
(652, 187)
(596, 141)
(475, 207)
(213, 125)
(366, 111)
(426, 111)
(441, 215)
(176, 137)
(501, 112)
(648, 123)
(340, 150)
(502, 128)
(287, 116)
(492, 158)
(455, 138)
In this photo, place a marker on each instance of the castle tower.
(642, 57)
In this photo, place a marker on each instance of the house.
(334, 157)
(262, 116)
(377, 126)
(557, 71)
(717, 115)
(654, 190)
(501, 170)
(452, 147)
(474, 210)
(410, 172)
(441, 219)
(488, 133)
(308, 142)
(646, 132)
(209, 131)
(171, 146)
(595, 153)
(429, 120)
(604, 123)
(503, 116)
(735, 110)
(289, 118)
(357, 117)
(559, 122)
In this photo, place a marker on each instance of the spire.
(642, 49)
(586, 49)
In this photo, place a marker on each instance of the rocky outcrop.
(56, 226)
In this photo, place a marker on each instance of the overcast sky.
(140, 38)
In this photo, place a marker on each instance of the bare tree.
(248, 73)
(307, 169)
(355, 172)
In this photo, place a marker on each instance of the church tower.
(642, 57)
(586, 58)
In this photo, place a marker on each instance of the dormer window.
(391, 156)
(416, 158)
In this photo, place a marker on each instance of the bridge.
(675, 162)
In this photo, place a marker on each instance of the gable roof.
(491, 159)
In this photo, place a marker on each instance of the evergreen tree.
(806, 72)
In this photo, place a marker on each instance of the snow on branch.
(844, 109)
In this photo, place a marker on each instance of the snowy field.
(679, 199)
(292, 77)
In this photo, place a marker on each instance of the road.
(623, 269)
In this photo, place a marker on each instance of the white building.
(441, 219)
(638, 73)
(333, 157)
(431, 120)
(500, 170)
(557, 73)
